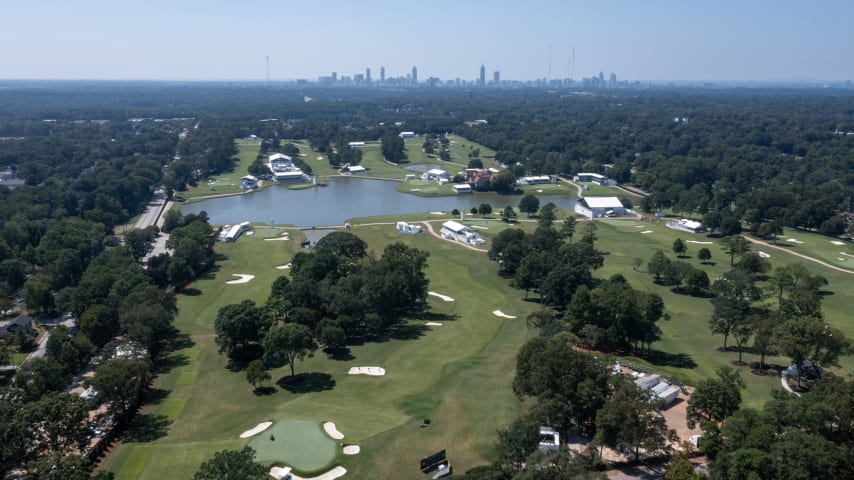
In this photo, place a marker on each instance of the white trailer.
(647, 382)
(669, 395)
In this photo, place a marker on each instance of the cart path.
(801, 255)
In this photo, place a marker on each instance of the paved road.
(153, 210)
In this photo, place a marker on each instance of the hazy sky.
(228, 39)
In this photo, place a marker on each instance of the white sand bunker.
(433, 324)
(701, 243)
(255, 431)
(329, 428)
(479, 227)
(351, 449)
(837, 242)
(336, 472)
(374, 371)
(415, 190)
(647, 231)
(280, 473)
(285, 266)
(437, 213)
(539, 190)
(639, 226)
(282, 238)
(250, 233)
(242, 278)
(793, 240)
(846, 254)
(763, 255)
(439, 295)
(499, 313)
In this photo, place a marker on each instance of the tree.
(679, 468)
(289, 342)
(517, 441)
(257, 374)
(55, 424)
(484, 209)
(764, 326)
(504, 182)
(39, 376)
(509, 248)
(507, 214)
(734, 293)
(392, 147)
(629, 418)
(568, 228)
(735, 246)
(548, 215)
(529, 204)
(239, 325)
(753, 263)
(588, 233)
(475, 163)
(232, 465)
(658, 265)
(696, 282)
(704, 254)
(6, 305)
(715, 399)
(120, 383)
(679, 247)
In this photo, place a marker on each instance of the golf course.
(453, 364)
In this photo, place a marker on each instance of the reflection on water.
(343, 199)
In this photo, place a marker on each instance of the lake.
(344, 198)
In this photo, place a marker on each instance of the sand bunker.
(647, 231)
(255, 431)
(479, 227)
(250, 233)
(285, 266)
(763, 255)
(437, 213)
(499, 313)
(351, 449)
(837, 242)
(439, 295)
(699, 242)
(539, 190)
(793, 240)
(336, 472)
(415, 190)
(243, 278)
(329, 428)
(846, 254)
(433, 324)
(277, 239)
(374, 371)
(280, 473)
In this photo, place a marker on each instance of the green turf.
(227, 183)
(299, 444)
(459, 374)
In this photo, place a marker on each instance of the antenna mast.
(572, 70)
(550, 63)
(268, 70)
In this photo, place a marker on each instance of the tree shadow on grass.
(264, 391)
(407, 331)
(156, 395)
(191, 292)
(436, 317)
(666, 359)
(342, 354)
(240, 358)
(148, 428)
(307, 382)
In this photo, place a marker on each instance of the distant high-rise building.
(382, 74)
(368, 75)
(496, 78)
(482, 75)
(334, 76)
(601, 79)
(612, 80)
(414, 75)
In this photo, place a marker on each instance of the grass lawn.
(227, 183)
(831, 250)
(559, 188)
(458, 374)
(300, 444)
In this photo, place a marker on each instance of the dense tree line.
(335, 293)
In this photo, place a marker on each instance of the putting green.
(299, 444)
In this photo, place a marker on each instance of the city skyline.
(656, 41)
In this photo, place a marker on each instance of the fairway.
(300, 444)
(458, 374)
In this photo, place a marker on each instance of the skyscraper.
(382, 74)
(482, 75)
(414, 75)
(496, 78)
(368, 75)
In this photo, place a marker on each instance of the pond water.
(343, 199)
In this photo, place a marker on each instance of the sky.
(687, 40)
